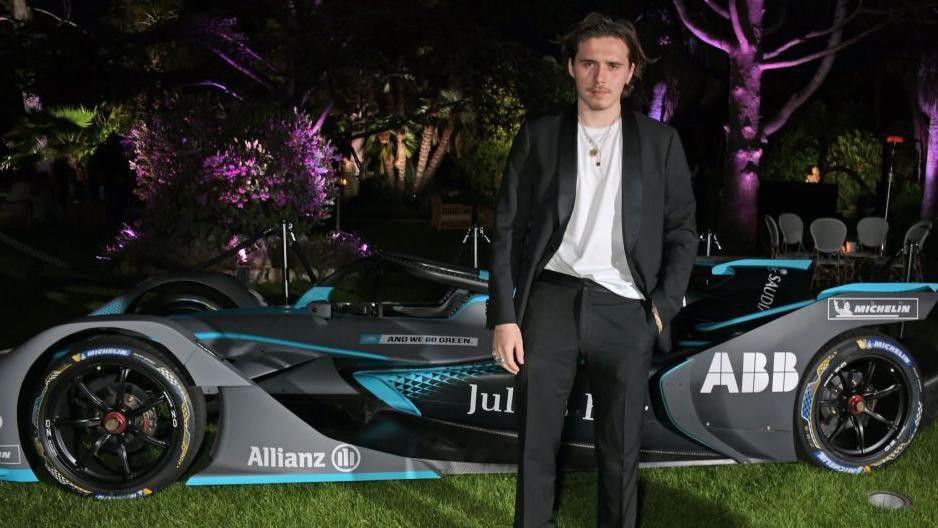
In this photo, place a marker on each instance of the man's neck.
(598, 118)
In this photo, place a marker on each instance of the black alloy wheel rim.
(862, 407)
(112, 425)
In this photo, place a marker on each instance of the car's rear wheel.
(860, 403)
(113, 418)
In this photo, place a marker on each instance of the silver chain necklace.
(596, 151)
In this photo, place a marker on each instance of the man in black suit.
(594, 244)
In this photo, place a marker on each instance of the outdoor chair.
(871, 241)
(792, 229)
(828, 235)
(871, 233)
(774, 239)
(919, 233)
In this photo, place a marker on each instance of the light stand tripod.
(892, 141)
(711, 238)
(475, 230)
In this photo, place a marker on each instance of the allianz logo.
(344, 458)
(754, 375)
(276, 457)
(492, 402)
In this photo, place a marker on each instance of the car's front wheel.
(113, 418)
(860, 404)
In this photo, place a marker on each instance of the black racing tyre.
(114, 419)
(183, 299)
(859, 404)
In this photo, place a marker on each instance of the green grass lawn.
(770, 495)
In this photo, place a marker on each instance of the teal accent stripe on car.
(667, 410)
(285, 478)
(18, 475)
(484, 274)
(116, 306)
(726, 268)
(287, 342)
(481, 297)
(706, 327)
(878, 287)
(316, 293)
(692, 343)
(377, 385)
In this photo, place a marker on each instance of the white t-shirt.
(592, 244)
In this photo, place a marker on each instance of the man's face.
(601, 69)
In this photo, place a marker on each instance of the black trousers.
(570, 320)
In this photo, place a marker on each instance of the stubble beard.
(597, 105)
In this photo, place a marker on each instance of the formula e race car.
(382, 370)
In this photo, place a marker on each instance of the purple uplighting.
(928, 104)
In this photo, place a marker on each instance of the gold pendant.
(594, 152)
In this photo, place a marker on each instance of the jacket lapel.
(632, 175)
(566, 168)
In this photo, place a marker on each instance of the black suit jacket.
(535, 202)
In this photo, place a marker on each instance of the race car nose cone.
(114, 422)
(856, 404)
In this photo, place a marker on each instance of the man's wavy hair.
(600, 25)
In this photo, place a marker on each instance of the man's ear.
(570, 68)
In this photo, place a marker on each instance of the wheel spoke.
(895, 387)
(122, 454)
(841, 420)
(121, 388)
(82, 422)
(100, 443)
(92, 397)
(151, 402)
(858, 431)
(876, 416)
(829, 402)
(845, 381)
(869, 374)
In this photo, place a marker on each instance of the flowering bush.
(284, 174)
(203, 173)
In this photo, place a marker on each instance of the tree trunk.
(388, 164)
(930, 192)
(739, 215)
(423, 156)
(441, 148)
(21, 10)
(400, 158)
(663, 101)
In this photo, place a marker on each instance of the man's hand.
(507, 348)
(654, 311)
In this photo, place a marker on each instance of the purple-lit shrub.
(204, 173)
